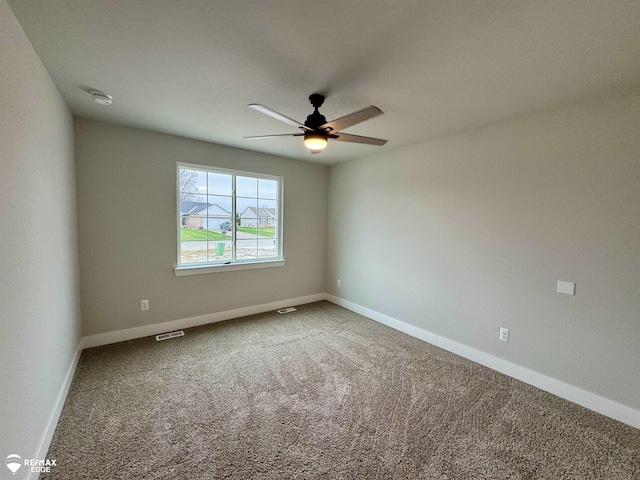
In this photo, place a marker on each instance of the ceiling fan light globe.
(315, 142)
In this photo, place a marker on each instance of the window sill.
(205, 269)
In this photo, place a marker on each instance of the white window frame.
(199, 268)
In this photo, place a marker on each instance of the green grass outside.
(191, 235)
(262, 232)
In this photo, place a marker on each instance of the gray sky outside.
(250, 192)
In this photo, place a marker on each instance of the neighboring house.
(188, 207)
(201, 215)
(258, 217)
(189, 213)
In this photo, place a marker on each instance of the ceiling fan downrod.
(316, 118)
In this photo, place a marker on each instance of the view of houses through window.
(227, 216)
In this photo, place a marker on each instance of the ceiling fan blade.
(274, 136)
(277, 115)
(351, 119)
(347, 137)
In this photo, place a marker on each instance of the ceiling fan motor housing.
(315, 120)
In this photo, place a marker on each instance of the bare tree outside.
(188, 185)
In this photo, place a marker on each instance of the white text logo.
(14, 462)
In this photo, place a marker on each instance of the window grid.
(254, 237)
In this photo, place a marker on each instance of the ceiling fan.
(316, 130)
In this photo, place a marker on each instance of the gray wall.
(127, 229)
(485, 223)
(39, 301)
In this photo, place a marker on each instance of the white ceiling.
(435, 67)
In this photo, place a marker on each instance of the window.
(227, 220)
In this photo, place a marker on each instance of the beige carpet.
(321, 393)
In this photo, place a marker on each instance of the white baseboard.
(564, 390)
(52, 422)
(156, 328)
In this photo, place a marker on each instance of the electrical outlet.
(339, 283)
(144, 305)
(504, 334)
